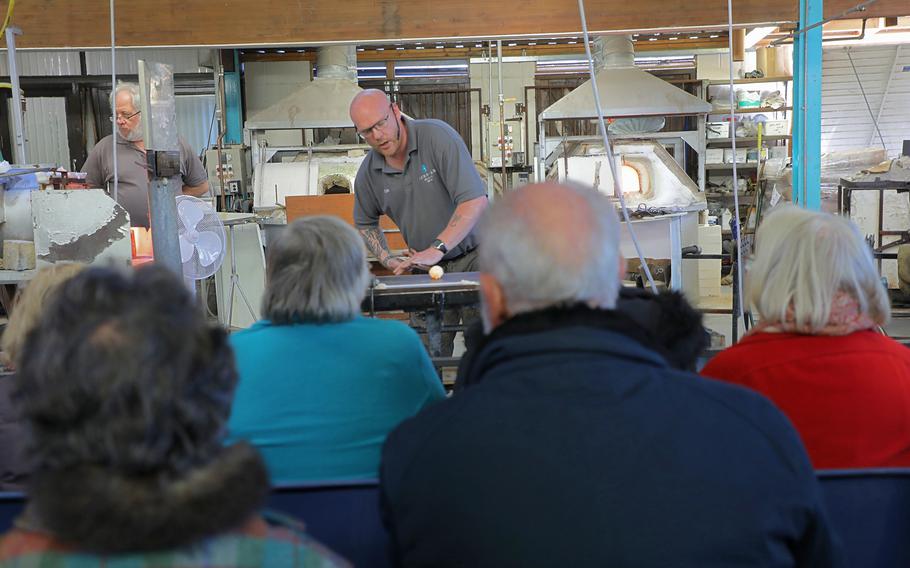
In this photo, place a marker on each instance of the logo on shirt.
(427, 175)
(386, 190)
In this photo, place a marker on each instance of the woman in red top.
(817, 352)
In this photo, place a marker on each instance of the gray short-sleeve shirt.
(438, 175)
(132, 169)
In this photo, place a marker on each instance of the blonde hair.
(27, 310)
(803, 259)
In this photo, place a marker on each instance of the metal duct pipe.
(337, 62)
(613, 52)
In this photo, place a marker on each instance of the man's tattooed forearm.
(376, 243)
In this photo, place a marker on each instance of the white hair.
(803, 258)
(132, 89)
(534, 272)
(317, 271)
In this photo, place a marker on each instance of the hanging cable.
(9, 15)
(608, 147)
(114, 101)
(737, 227)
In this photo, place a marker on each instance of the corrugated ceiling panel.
(40, 63)
(183, 60)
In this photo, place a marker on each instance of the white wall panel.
(46, 132)
(846, 121)
(194, 119)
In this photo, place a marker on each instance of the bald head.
(550, 244)
(379, 123)
(368, 104)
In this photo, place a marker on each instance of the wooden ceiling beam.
(237, 23)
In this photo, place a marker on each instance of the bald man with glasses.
(420, 174)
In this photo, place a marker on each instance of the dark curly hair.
(124, 372)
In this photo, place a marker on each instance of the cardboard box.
(739, 157)
(714, 156)
(776, 128)
(717, 130)
(752, 155)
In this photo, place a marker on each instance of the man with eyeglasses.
(420, 174)
(132, 169)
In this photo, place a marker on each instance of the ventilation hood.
(323, 103)
(625, 90)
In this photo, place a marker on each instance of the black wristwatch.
(440, 246)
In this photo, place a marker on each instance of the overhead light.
(419, 47)
(532, 43)
(513, 44)
(380, 49)
(261, 51)
(359, 49)
(693, 37)
(459, 45)
(652, 39)
(713, 36)
(551, 43)
(399, 48)
(478, 45)
(674, 38)
(439, 46)
(572, 42)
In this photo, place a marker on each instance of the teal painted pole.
(233, 103)
(807, 107)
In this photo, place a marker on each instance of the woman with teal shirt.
(320, 385)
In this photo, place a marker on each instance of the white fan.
(201, 236)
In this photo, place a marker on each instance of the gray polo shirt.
(132, 169)
(438, 176)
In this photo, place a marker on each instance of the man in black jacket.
(576, 443)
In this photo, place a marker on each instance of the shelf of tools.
(762, 134)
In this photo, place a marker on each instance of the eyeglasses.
(367, 132)
(124, 117)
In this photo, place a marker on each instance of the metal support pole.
(702, 137)
(502, 121)
(20, 154)
(163, 158)
(232, 102)
(163, 209)
(807, 91)
(541, 151)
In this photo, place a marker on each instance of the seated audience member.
(815, 351)
(321, 385)
(665, 322)
(126, 389)
(578, 445)
(24, 316)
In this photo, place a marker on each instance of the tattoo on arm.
(376, 243)
(455, 220)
